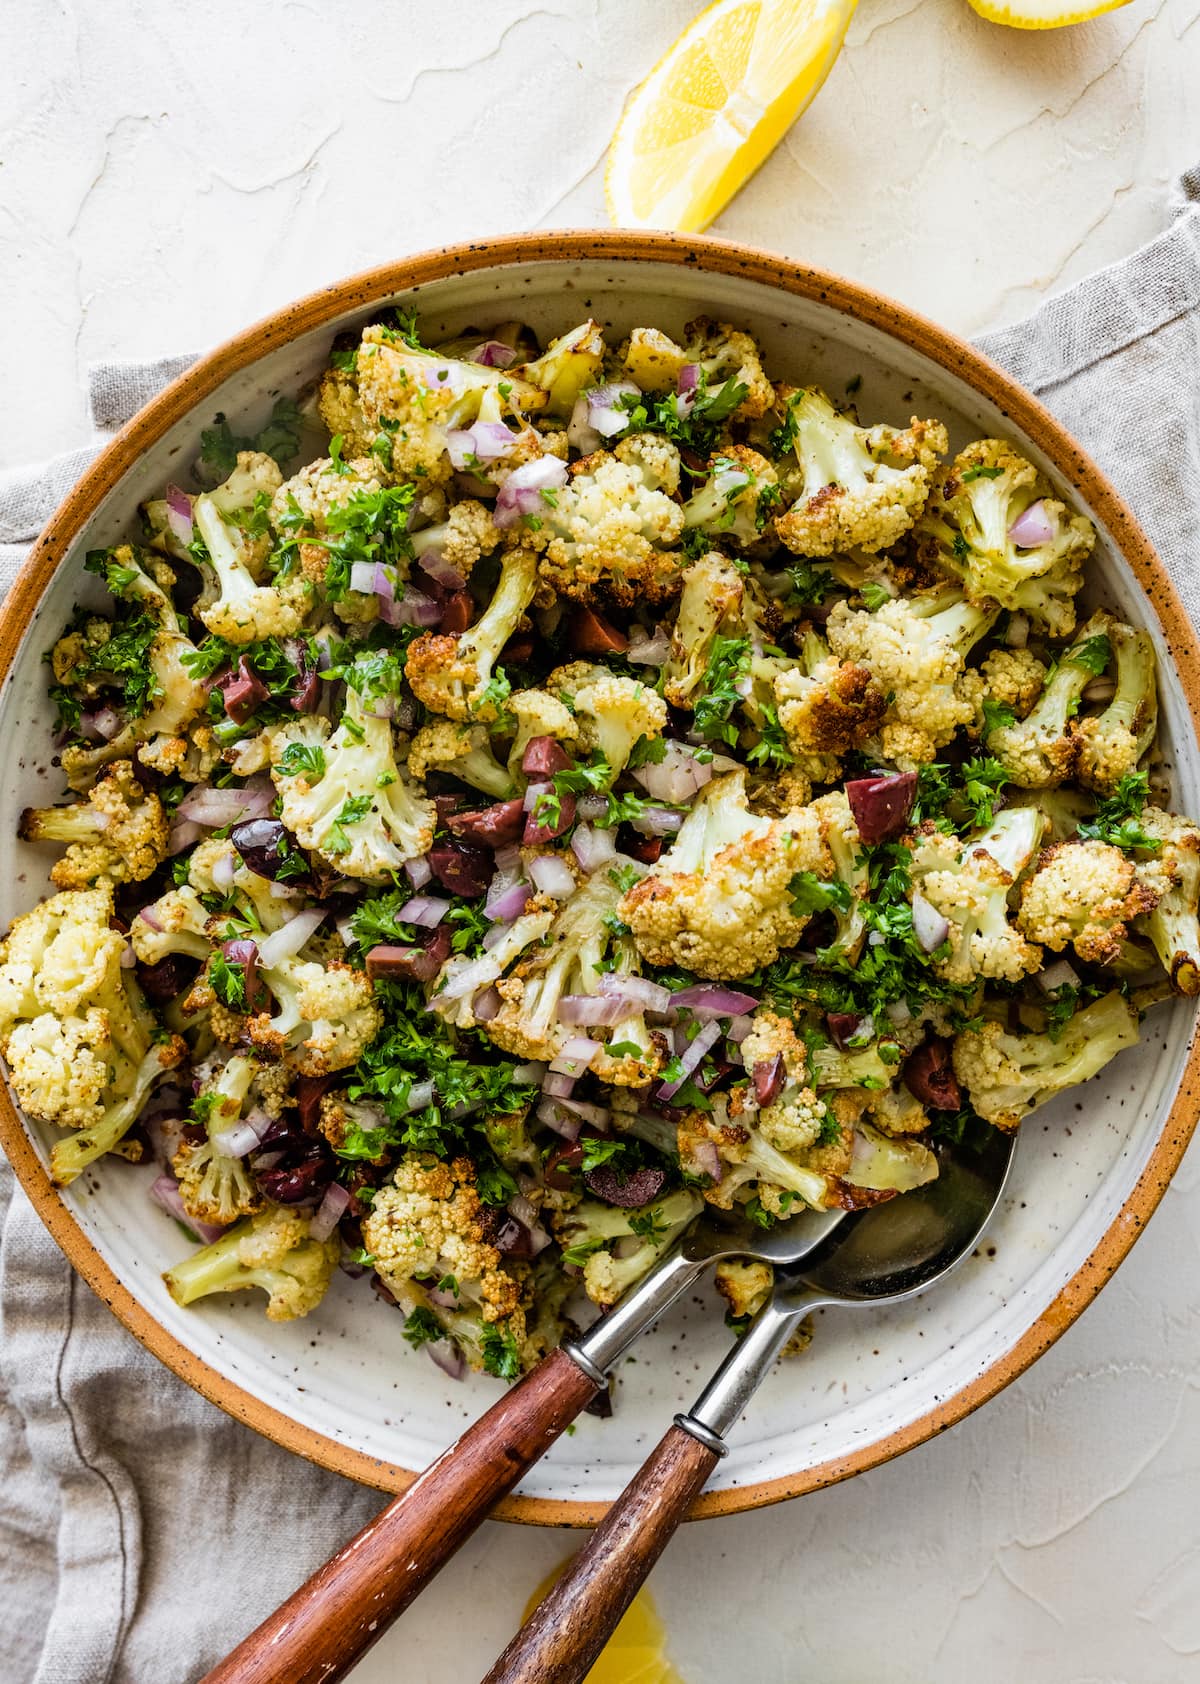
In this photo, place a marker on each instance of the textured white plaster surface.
(169, 173)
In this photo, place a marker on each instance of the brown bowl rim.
(705, 255)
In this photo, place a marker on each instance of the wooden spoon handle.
(325, 1626)
(563, 1636)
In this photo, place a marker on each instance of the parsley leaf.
(1118, 818)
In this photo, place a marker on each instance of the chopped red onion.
(235, 1141)
(166, 1195)
(739, 1028)
(418, 871)
(848, 1029)
(552, 876)
(534, 793)
(691, 1059)
(1033, 527)
(1017, 635)
(445, 1354)
(486, 1004)
(220, 807)
(598, 1115)
(701, 1157)
(329, 1211)
(506, 901)
(767, 1077)
(580, 432)
(521, 493)
(676, 777)
(729, 481)
(578, 1054)
(606, 414)
(647, 650)
(557, 1085)
(362, 576)
(485, 441)
(592, 848)
(657, 821)
(552, 1113)
(419, 1096)
(530, 1073)
(179, 514)
(688, 380)
(636, 993)
(524, 1212)
(284, 943)
(149, 916)
(1061, 974)
(101, 724)
(442, 572)
(592, 808)
(410, 608)
(601, 1011)
(493, 353)
(713, 999)
(929, 926)
(427, 911)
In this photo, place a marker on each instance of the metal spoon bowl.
(878, 1256)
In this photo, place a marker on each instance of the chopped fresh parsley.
(1118, 817)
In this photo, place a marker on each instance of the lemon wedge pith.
(1040, 14)
(715, 105)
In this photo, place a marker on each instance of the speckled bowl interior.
(343, 1386)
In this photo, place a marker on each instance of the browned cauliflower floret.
(967, 883)
(429, 1232)
(119, 835)
(1006, 1075)
(1085, 893)
(612, 712)
(827, 706)
(452, 675)
(744, 1286)
(790, 1116)
(916, 650)
(734, 503)
(1014, 678)
(613, 529)
(215, 1182)
(272, 1250)
(856, 486)
(718, 902)
(467, 533)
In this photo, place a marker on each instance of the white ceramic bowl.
(343, 1386)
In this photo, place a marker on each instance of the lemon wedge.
(1040, 14)
(716, 104)
(635, 1653)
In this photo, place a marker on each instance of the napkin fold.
(131, 1511)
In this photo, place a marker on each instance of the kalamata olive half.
(296, 1183)
(263, 845)
(768, 1076)
(628, 1191)
(563, 810)
(418, 963)
(543, 757)
(881, 806)
(168, 978)
(929, 1075)
(310, 1091)
(461, 868)
(590, 633)
(491, 827)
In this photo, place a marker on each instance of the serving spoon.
(878, 1256)
(330, 1621)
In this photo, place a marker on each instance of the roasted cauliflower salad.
(522, 797)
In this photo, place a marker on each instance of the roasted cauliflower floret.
(744, 1286)
(916, 649)
(861, 486)
(735, 502)
(272, 1250)
(82, 1048)
(1085, 893)
(718, 902)
(1111, 743)
(1041, 750)
(790, 1116)
(968, 883)
(537, 714)
(325, 1018)
(1174, 872)
(827, 706)
(1014, 678)
(612, 712)
(235, 604)
(462, 751)
(215, 1183)
(454, 675)
(616, 1246)
(118, 835)
(467, 533)
(993, 525)
(612, 530)
(1008, 1075)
